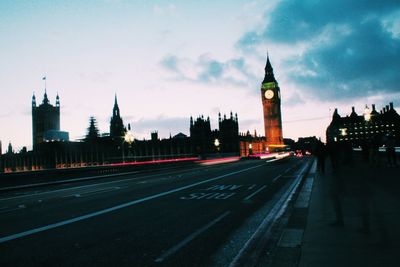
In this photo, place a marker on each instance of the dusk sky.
(169, 60)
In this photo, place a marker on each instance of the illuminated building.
(271, 102)
(370, 126)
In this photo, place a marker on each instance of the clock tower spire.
(271, 101)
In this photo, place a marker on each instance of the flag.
(44, 78)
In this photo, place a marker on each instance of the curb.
(255, 247)
(288, 248)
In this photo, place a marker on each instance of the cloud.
(206, 69)
(160, 10)
(294, 100)
(170, 62)
(344, 49)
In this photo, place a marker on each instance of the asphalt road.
(188, 217)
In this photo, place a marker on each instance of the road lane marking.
(57, 191)
(219, 187)
(275, 213)
(38, 193)
(255, 193)
(189, 238)
(251, 187)
(276, 178)
(93, 192)
(6, 209)
(212, 195)
(67, 181)
(118, 207)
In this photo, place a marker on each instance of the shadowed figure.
(374, 150)
(336, 183)
(320, 152)
(390, 150)
(350, 182)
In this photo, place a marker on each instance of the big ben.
(271, 101)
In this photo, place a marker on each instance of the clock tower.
(271, 101)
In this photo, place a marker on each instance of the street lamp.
(367, 118)
(128, 138)
(250, 149)
(216, 144)
(367, 114)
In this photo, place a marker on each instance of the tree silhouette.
(92, 130)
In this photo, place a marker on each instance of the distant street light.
(128, 138)
(367, 118)
(367, 114)
(216, 144)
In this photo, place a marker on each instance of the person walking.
(390, 150)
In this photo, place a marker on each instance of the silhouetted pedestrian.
(365, 150)
(321, 154)
(346, 151)
(336, 183)
(374, 150)
(390, 150)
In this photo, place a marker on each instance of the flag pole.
(44, 78)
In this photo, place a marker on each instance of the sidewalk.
(369, 234)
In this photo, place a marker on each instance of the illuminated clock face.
(269, 94)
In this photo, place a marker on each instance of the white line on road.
(67, 181)
(93, 192)
(5, 210)
(185, 241)
(121, 206)
(276, 178)
(62, 190)
(255, 193)
(276, 212)
(39, 193)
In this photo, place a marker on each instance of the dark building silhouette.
(201, 135)
(46, 122)
(223, 140)
(271, 101)
(119, 145)
(117, 129)
(228, 133)
(369, 126)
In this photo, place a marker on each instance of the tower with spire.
(45, 119)
(117, 129)
(271, 102)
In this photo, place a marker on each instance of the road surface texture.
(197, 216)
